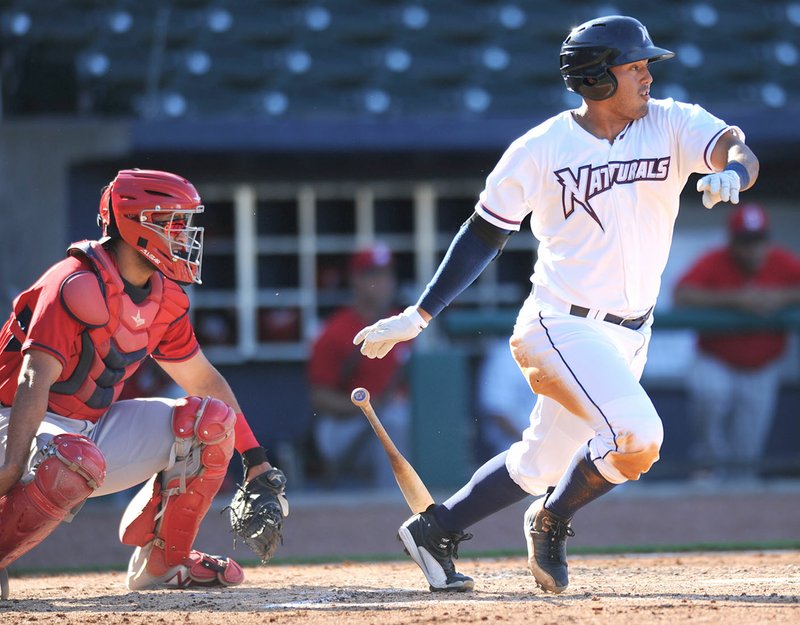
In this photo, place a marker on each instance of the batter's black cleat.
(433, 549)
(546, 534)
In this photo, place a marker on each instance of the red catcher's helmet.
(152, 211)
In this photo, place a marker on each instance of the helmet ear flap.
(598, 87)
(586, 71)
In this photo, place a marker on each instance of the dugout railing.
(442, 383)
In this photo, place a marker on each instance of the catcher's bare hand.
(257, 511)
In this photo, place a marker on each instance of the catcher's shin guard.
(168, 511)
(73, 467)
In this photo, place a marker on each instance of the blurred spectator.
(216, 326)
(734, 384)
(343, 437)
(505, 400)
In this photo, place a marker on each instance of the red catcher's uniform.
(717, 270)
(336, 363)
(79, 313)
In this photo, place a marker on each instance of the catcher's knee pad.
(73, 467)
(169, 510)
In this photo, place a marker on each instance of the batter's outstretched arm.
(475, 245)
(731, 149)
(737, 169)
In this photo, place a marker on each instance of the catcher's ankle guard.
(197, 570)
(169, 511)
(208, 570)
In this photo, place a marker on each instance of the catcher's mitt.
(257, 511)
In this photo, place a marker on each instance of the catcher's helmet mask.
(153, 211)
(592, 48)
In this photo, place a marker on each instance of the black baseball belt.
(633, 323)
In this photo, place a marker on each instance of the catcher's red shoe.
(198, 570)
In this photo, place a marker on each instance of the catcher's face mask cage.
(597, 45)
(175, 235)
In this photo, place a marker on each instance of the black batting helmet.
(593, 47)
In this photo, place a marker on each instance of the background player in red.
(71, 342)
(343, 437)
(734, 384)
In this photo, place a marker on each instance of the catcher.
(71, 342)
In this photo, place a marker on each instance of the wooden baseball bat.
(411, 485)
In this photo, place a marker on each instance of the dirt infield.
(338, 526)
(720, 588)
(726, 587)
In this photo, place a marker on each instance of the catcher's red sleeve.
(245, 439)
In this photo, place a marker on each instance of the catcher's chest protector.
(72, 469)
(171, 506)
(119, 333)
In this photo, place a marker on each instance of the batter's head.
(599, 44)
(153, 211)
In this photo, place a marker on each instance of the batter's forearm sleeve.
(475, 245)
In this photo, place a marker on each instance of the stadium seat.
(419, 56)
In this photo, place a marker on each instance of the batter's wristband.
(741, 171)
(414, 317)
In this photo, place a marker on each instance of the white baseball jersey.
(603, 212)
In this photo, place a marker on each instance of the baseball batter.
(601, 184)
(72, 340)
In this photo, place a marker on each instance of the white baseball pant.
(586, 373)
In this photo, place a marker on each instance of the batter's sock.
(580, 484)
(490, 489)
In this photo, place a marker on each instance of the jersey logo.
(578, 189)
(137, 318)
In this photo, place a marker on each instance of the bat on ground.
(413, 488)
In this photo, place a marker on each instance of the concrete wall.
(35, 161)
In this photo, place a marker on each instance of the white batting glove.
(379, 338)
(722, 186)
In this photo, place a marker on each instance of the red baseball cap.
(749, 222)
(378, 256)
